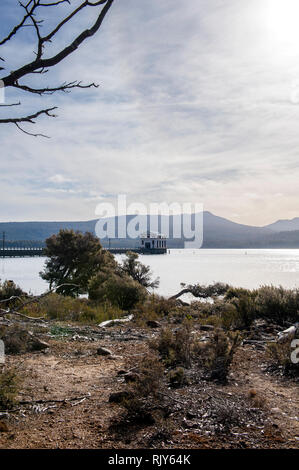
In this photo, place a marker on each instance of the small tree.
(74, 258)
(138, 271)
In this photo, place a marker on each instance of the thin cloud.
(193, 105)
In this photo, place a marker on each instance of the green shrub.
(278, 304)
(240, 309)
(153, 307)
(121, 291)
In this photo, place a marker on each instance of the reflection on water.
(245, 268)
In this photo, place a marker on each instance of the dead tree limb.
(41, 64)
(203, 292)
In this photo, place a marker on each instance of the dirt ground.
(64, 401)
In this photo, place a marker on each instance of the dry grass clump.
(257, 400)
(64, 308)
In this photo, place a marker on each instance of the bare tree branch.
(29, 119)
(31, 133)
(9, 105)
(38, 63)
(22, 24)
(65, 87)
(41, 65)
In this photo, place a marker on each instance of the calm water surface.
(244, 268)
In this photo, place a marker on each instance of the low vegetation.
(185, 348)
(280, 357)
(9, 388)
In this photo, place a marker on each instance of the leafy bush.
(278, 304)
(121, 291)
(240, 309)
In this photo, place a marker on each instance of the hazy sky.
(198, 102)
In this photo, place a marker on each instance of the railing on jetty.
(14, 252)
(143, 251)
(23, 252)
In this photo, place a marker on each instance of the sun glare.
(282, 21)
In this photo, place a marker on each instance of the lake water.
(243, 268)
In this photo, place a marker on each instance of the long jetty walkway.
(31, 251)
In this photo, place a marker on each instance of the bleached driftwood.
(117, 321)
(288, 334)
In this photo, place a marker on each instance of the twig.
(64, 400)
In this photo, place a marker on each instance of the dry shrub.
(175, 346)
(153, 308)
(177, 377)
(225, 417)
(9, 388)
(257, 400)
(217, 354)
(280, 356)
(144, 394)
(8, 291)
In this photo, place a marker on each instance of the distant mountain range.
(218, 232)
